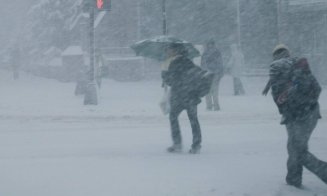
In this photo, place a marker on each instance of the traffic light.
(103, 5)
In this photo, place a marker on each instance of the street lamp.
(91, 97)
(238, 21)
(164, 17)
(278, 20)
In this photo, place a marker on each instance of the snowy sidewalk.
(51, 145)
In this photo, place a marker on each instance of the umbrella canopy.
(155, 48)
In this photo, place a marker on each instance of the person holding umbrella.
(177, 73)
(181, 97)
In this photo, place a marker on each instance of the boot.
(195, 149)
(175, 148)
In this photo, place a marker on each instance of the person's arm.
(267, 88)
(203, 62)
(273, 74)
(316, 89)
(166, 78)
(171, 74)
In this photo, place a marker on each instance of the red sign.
(100, 4)
(103, 5)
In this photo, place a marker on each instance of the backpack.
(301, 90)
(200, 81)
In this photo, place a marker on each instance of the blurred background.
(46, 32)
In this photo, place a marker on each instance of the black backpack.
(200, 81)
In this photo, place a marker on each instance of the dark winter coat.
(280, 74)
(303, 95)
(212, 61)
(294, 89)
(177, 77)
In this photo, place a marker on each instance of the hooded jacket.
(212, 61)
(178, 79)
(295, 90)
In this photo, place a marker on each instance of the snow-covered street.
(53, 145)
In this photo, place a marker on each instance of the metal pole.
(92, 17)
(138, 20)
(164, 17)
(278, 21)
(238, 20)
(164, 28)
(91, 97)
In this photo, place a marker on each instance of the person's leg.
(316, 166)
(209, 100)
(299, 136)
(215, 92)
(240, 87)
(235, 86)
(175, 129)
(196, 130)
(294, 166)
(212, 97)
(313, 164)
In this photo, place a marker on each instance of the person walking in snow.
(99, 64)
(296, 91)
(181, 97)
(212, 61)
(235, 68)
(15, 56)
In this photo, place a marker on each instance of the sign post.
(164, 18)
(91, 97)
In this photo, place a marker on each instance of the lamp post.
(91, 97)
(164, 18)
(238, 21)
(278, 21)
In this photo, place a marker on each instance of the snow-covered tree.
(47, 25)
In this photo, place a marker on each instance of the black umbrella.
(155, 48)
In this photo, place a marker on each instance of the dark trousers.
(175, 128)
(238, 86)
(212, 99)
(299, 133)
(16, 73)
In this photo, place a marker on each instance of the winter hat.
(280, 47)
(281, 51)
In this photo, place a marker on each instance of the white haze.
(52, 144)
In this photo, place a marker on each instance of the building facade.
(257, 25)
(303, 26)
